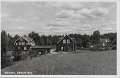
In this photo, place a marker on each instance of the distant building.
(104, 42)
(66, 44)
(24, 43)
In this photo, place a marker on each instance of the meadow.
(82, 62)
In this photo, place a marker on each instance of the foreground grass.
(80, 63)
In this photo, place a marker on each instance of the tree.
(10, 42)
(16, 36)
(43, 40)
(111, 36)
(3, 42)
(79, 42)
(85, 41)
(4, 48)
(35, 36)
(96, 37)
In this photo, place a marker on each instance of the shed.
(42, 49)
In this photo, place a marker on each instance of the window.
(19, 43)
(25, 48)
(16, 43)
(23, 43)
(26, 43)
(68, 41)
(64, 41)
(61, 48)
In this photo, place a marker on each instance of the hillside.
(79, 63)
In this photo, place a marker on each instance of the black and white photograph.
(58, 38)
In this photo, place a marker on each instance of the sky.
(51, 18)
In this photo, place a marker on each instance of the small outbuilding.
(41, 49)
(66, 44)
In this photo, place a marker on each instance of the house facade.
(66, 44)
(24, 43)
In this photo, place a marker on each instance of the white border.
(77, 76)
(118, 38)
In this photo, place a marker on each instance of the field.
(79, 63)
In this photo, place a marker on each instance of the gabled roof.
(29, 40)
(73, 39)
(68, 37)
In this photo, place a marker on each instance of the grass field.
(79, 63)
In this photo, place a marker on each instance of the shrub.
(5, 61)
(95, 47)
(114, 47)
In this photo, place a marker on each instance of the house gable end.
(66, 37)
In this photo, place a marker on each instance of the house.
(103, 42)
(66, 44)
(24, 43)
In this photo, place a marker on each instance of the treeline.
(84, 40)
(7, 41)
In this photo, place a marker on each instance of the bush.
(17, 58)
(114, 47)
(5, 61)
(95, 47)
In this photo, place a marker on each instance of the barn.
(66, 44)
(24, 43)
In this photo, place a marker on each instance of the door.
(61, 48)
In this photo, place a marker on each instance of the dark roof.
(73, 39)
(41, 47)
(68, 37)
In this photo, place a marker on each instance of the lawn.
(79, 63)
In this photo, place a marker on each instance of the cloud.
(100, 12)
(63, 14)
(94, 13)
(55, 25)
(58, 17)
(70, 14)
(84, 13)
(4, 15)
(59, 22)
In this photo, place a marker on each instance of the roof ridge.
(65, 36)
